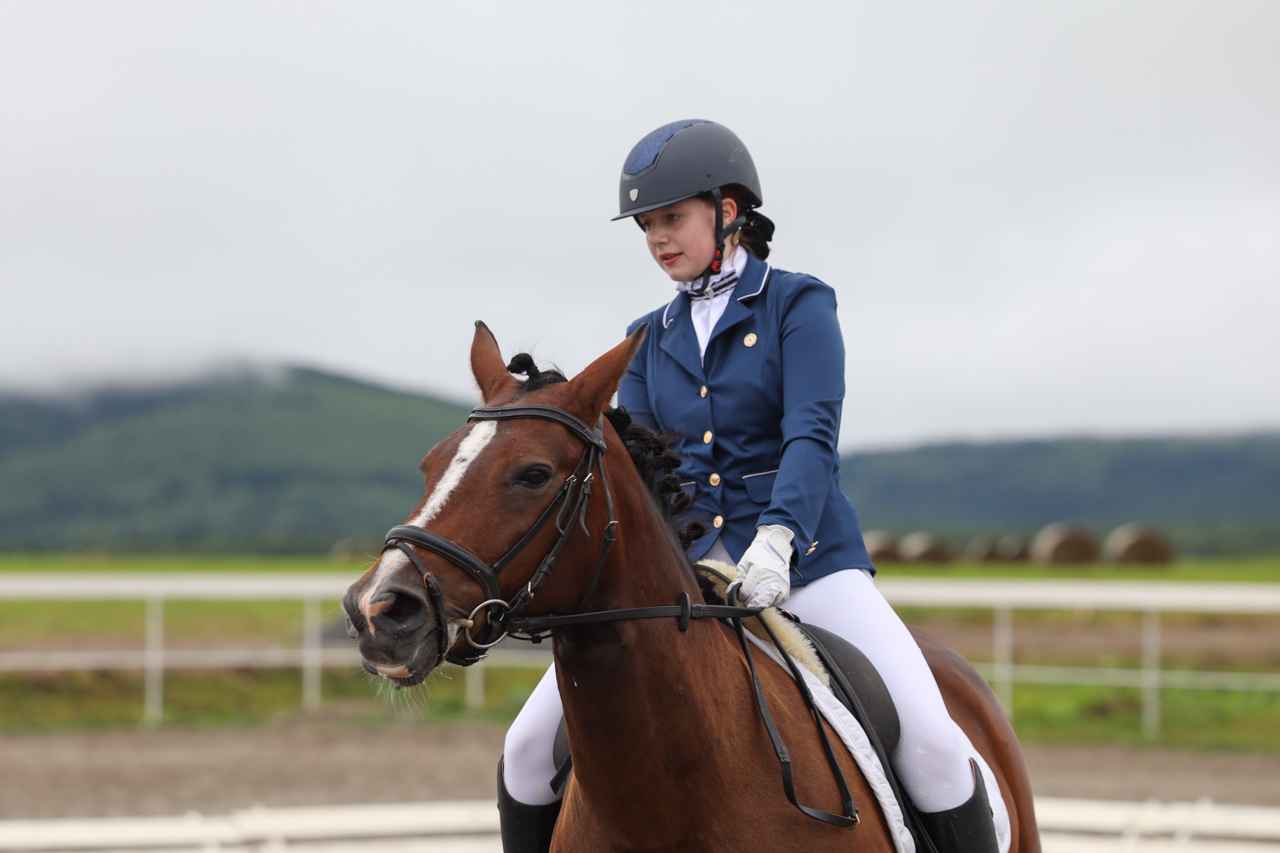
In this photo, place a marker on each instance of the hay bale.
(1133, 543)
(1061, 543)
(981, 549)
(923, 547)
(881, 546)
(1011, 549)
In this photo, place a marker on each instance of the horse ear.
(488, 367)
(594, 386)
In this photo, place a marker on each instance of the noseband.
(565, 507)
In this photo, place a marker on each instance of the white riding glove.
(764, 572)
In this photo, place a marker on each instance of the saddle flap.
(849, 665)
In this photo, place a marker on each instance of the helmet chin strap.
(722, 231)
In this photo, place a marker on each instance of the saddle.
(837, 663)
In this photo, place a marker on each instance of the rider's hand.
(765, 570)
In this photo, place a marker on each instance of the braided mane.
(652, 453)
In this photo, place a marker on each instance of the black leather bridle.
(503, 615)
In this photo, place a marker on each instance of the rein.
(503, 616)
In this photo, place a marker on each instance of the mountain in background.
(296, 460)
(290, 461)
(1211, 495)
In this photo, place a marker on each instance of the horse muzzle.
(394, 629)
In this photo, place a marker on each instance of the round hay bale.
(881, 546)
(1011, 549)
(981, 549)
(1133, 543)
(1060, 543)
(923, 547)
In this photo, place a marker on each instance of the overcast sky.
(1040, 218)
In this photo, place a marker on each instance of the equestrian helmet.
(682, 160)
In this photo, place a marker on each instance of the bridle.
(502, 616)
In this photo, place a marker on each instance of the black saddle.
(854, 681)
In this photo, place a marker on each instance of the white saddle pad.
(855, 739)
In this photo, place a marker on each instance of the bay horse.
(670, 751)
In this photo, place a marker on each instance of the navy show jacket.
(759, 420)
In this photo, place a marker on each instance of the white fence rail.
(1151, 598)
(1066, 826)
(154, 658)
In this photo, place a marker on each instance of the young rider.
(746, 364)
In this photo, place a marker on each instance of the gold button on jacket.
(714, 479)
(706, 437)
(750, 340)
(718, 522)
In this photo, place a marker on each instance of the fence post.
(153, 702)
(1002, 652)
(475, 687)
(311, 653)
(1151, 674)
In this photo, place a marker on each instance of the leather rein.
(502, 616)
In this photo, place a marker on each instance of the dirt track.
(327, 760)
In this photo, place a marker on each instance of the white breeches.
(930, 758)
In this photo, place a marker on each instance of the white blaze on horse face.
(470, 448)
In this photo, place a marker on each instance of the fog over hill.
(293, 459)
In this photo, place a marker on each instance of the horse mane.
(652, 453)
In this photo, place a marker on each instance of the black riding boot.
(968, 828)
(525, 829)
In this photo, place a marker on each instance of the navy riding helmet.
(686, 159)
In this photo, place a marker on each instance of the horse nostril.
(352, 631)
(399, 611)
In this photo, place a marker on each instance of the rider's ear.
(594, 386)
(488, 367)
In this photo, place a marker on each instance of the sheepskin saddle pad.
(836, 662)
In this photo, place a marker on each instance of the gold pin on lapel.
(811, 547)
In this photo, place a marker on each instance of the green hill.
(1212, 495)
(298, 460)
(292, 462)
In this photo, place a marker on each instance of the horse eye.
(535, 477)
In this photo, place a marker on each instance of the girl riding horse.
(746, 365)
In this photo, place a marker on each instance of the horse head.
(503, 496)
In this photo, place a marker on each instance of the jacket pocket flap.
(760, 485)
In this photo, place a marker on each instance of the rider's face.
(682, 236)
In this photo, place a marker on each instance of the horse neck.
(646, 566)
(619, 679)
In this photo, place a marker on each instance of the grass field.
(34, 702)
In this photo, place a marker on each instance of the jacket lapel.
(749, 286)
(678, 337)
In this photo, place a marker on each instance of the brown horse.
(669, 748)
